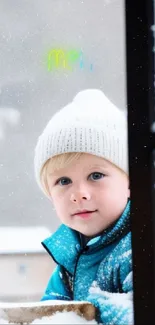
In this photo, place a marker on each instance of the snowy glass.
(50, 50)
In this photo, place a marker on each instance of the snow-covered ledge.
(29, 312)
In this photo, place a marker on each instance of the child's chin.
(89, 233)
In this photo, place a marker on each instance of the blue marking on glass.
(91, 67)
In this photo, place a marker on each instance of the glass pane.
(51, 51)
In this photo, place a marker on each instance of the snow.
(29, 238)
(58, 318)
(64, 317)
(115, 298)
(40, 303)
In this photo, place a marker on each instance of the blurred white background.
(30, 94)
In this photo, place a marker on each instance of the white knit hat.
(89, 124)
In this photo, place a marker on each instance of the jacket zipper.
(74, 275)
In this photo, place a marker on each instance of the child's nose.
(79, 196)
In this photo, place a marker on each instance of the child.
(81, 164)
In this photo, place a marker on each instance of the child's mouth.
(85, 214)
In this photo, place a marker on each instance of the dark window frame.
(139, 17)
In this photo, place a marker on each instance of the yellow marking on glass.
(57, 57)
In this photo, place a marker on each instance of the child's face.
(91, 183)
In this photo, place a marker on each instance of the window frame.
(139, 18)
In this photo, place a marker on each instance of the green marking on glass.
(73, 55)
(58, 58)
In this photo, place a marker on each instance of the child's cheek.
(59, 195)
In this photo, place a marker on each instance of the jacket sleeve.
(59, 286)
(114, 308)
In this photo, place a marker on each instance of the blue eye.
(97, 175)
(63, 181)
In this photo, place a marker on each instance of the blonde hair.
(57, 162)
(61, 161)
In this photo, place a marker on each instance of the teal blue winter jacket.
(99, 272)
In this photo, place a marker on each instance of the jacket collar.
(65, 244)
